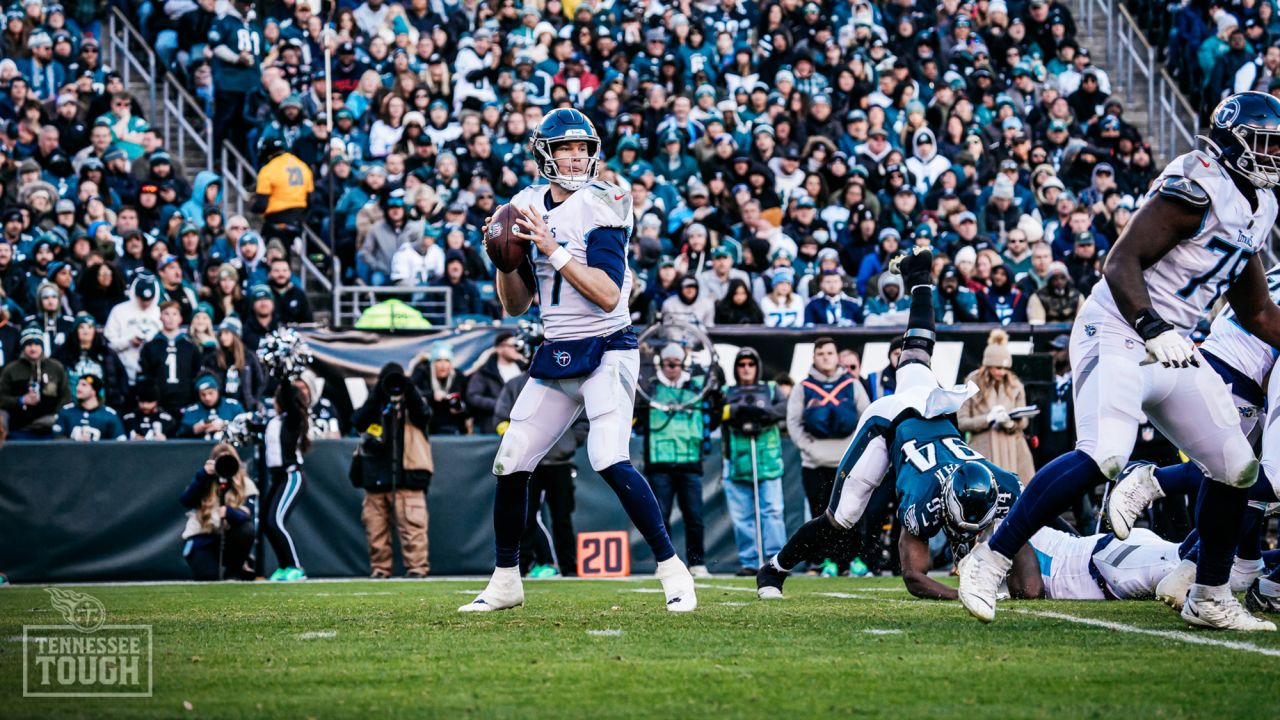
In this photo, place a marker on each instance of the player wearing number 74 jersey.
(1195, 238)
(578, 229)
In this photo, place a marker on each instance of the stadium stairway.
(187, 134)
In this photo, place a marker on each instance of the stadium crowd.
(778, 156)
(1215, 49)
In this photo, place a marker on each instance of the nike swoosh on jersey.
(1202, 162)
(619, 197)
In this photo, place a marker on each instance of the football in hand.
(505, 248)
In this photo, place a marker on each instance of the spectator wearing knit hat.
(32, 388)
(87, 419)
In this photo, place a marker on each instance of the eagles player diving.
(578, 229)
(942, 483)
(1195, 237)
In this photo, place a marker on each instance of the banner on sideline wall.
(85, 512)
(349, 362)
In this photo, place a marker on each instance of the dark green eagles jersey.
(923, 452)
(239, 36)
(76, 423)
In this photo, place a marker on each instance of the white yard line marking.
(882, 631)
(604, 633)
(735, 604)
(709, 586)
(354, 594)
(318, 635)
(1192, 638)
(643, 577)
(644, 590)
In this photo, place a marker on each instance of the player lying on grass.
(1102, 567)
(942, 484)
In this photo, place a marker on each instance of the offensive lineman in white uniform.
(1102, 567)
(1197, 236)
(578, 230)
(1245, 363)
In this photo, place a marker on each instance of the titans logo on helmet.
(1227, 113)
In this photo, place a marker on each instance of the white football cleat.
(1217, 608)
(981, 572)
(677, 585)
(699, 571)
(505, 591)
(1136, 488)
(1244, 572)
(1172, 588)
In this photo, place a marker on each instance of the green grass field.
(609, 649)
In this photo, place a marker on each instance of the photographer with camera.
(219, 532)
(394, 467)
(754, 412)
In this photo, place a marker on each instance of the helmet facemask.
(544, 150)
(1259, 162)
(972, 514)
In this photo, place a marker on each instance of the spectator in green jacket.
(754, 411)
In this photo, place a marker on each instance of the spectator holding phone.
(32, 388)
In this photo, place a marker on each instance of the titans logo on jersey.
(593, 224)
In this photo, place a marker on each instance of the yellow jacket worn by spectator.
(284, 183)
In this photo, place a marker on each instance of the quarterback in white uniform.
(1195, 238)
(578, 229)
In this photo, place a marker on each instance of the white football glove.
(1172, 350)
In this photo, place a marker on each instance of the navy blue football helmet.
(1244, 135)
(969, 498)
(565, 125)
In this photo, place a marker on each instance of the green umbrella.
(392, 314)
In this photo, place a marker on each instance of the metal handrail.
(1133, 62)
(121, 31)
(1172, 122)
(169, 113)
(175, 113)
(348, 303)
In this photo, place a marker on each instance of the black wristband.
(1149, 324)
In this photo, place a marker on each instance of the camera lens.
(226, 466)
(394, 383)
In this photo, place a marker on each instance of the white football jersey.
(566, 314)
(1237, 347)
(1186, 282)
(1064, 565)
